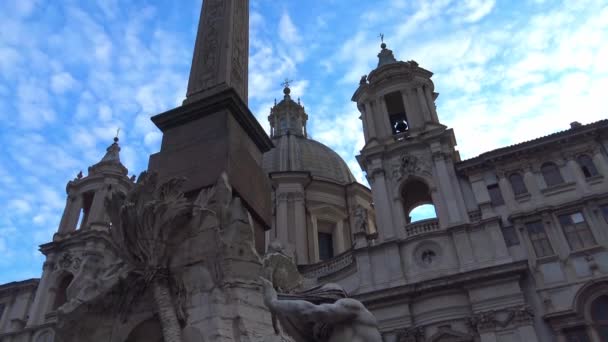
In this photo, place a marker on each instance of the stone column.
(507, 192)
(386, 231)
(300, 227)
(97, 211)
(464, 248)
(221, 50)
(72, 214)
(531, 182)
(339, 237)
(399, 216)
(364, 268)
(413, 120)
(364, 122)
(440, 207)
(314, 243)
(63, 224)
(599, 159)
(423, 104)
(385, 122)
(498, 241)
(282, 224)
(445, 184)
(371, 120)
(577, 175)
(431, 104)
(38, 308)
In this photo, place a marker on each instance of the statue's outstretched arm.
(342, 310)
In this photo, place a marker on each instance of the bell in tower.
(396, 99)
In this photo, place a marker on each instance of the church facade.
(517, 250)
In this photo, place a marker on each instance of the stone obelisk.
(221, 50)
(214, 131)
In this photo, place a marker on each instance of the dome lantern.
(287, 117)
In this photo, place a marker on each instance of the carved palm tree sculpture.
(144, 224)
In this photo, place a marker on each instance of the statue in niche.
(361, 224)
(322, 314)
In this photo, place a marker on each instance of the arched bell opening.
(417, 201)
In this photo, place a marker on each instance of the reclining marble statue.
(321, 314)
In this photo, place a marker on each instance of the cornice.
(447, 282)
(485, 160)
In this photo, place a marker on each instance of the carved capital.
(522, 316)
(412, 334)
(439, 155)
(483, 321)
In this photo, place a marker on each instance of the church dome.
(294, 151)
(298, 153)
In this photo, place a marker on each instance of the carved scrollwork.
(410, 164)
(68, 261)
(412, 334)
(489, 320)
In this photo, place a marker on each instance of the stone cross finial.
(286, 83)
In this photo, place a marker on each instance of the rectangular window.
(604, 209)
(578, 334)
(576, 230)
(495, 195)
(326, 246)
(510, 236)
(538, 237)
(1, 310)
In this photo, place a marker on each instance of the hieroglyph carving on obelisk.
(221, 51)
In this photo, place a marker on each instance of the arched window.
(61, 291)
(517, 183)
(417, 201)
(599, 315)
(587, 166)
(551, 174)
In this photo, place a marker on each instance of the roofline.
(19, 284)
(502, 152)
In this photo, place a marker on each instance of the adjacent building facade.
(517, 250)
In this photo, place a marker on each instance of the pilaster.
(431, 104)
(386, 230)
(423, 104)
(300, 228)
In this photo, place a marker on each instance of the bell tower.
(408, 154)
(81, 237)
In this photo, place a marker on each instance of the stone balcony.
(421, 227)
(327, 267)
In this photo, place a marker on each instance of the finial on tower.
(285, 84)
(382, 45)
(116, 137)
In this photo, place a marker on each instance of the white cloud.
(62, 82)
(287, 30)
(20, 205)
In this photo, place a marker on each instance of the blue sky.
(72, 72)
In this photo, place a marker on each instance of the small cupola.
(110, 163)
(287, 117)
(86, 194)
